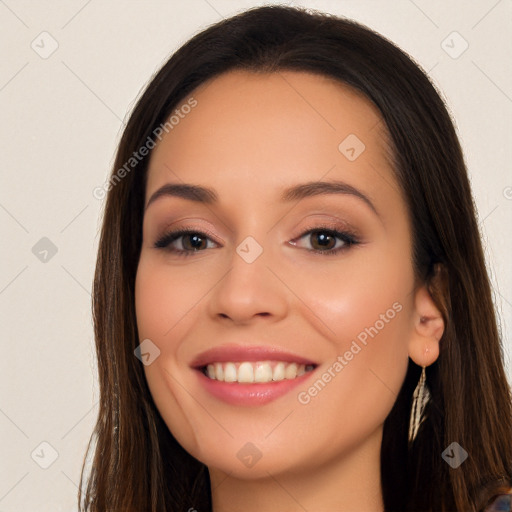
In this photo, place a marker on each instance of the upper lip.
(233, 353)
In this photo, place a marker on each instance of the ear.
(429, 324)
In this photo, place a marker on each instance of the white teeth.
(260, 371)
(278, 372)
(291, 371)
(229, 372)
(219, 371)
(211, 371)
(245, 373)
(263, 372)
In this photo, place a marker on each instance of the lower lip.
(236, 393)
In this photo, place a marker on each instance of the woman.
(291, 304)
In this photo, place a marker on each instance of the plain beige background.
(69, 74)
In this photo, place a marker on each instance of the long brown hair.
(137, 464)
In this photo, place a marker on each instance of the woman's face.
(263, 287)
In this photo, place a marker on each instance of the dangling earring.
(420, 398)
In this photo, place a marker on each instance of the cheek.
(377, 321)
(365, 314)
(371, 290)
(164, 311)
(165, 297)
(163, 305)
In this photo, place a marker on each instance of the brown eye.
(184, 242)
(328, 240)
(322, 240)
(193, 242)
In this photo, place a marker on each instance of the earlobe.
(429, 325)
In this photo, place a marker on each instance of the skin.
(250, 136)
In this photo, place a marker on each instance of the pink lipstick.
(250, 375)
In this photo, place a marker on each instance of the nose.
(249, 290)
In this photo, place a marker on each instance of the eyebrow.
(207, 195)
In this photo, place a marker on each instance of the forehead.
(260, 132)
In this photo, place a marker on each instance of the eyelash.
(347, 237)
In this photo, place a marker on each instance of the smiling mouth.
(252, 372)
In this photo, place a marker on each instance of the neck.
(348, 484)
